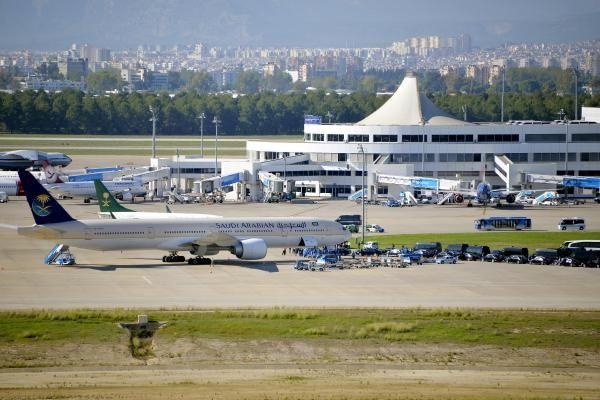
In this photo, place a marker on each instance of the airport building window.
(585, 137)
(553, 157)
(307, 136)
(336, 190)
(358, 173)
(342, 157)
(551, 138)
(589, 172)
(358, 138)
(451, 138)
(413, 138)
(335, 138)
(406, 158)
(195, 171)
(385, 138)
(382, 190)
(270, 155)
(459, 157)
(590, 156)
(339, 173)
(318, 137)
(498, 138)
(517, 157)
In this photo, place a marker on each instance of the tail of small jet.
(106, 201)
(44, 207)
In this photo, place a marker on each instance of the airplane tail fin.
(44, 207)
(106, 201)
(52, 175)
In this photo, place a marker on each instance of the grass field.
(496, 240)
(192, 136)
(514, 328)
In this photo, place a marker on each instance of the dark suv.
(474, 253)
(457, 250)
(544, 257)
(428, 249)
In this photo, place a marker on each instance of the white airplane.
(110, 208)
(11, 187)
(246, 238)
(86, 189)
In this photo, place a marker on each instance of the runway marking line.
(147, 280)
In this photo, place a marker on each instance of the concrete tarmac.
(140, 279)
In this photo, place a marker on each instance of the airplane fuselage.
(88, 190)
(187, 235)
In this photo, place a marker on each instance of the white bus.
(585, 244)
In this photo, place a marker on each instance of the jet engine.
(458, 198)
(510, 198)
(250, 249)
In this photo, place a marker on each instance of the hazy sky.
(118, 24)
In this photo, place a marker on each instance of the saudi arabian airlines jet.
(246, 238)
(110, 208)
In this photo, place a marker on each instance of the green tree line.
(72, 111)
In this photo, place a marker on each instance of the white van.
(571, 224)
(585, 244)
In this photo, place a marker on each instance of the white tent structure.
(409, 107)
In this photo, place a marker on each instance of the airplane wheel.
(181, 258)
(164, 259)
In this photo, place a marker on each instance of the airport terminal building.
(410, 136)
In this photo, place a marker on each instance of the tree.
(248, 82)
(201, 82)
(103, 81)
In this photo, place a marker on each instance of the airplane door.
(88, 233)
(150, 233)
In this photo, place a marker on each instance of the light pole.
(364, 170)
(502, 96)
(201, 117)
(576, 92)
(216, 121)
(178, 171)
(153, 119)
(422, 123)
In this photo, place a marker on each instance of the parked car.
(327, 259)
(412, 258)
(571, 224)
(513, 250)
(374, 228)
(458, 250)
(494, 256)
(369, 251)
(428, 249)
(544, 257)
(516, 259)
(474, 253)
(446, 258)
(391, 202)
(302, 265)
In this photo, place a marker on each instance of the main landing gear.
(199, 261)
(173, 257)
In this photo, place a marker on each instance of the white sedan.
(446, 259)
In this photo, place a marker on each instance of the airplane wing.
(216, 239)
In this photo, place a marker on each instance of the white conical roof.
(409, 107)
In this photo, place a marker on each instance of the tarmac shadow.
(113, 267)
(266, 266)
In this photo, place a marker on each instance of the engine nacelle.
(458, 198)
(511, 198)
(250, 249)
(127, 196)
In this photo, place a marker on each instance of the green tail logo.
(106, 201)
